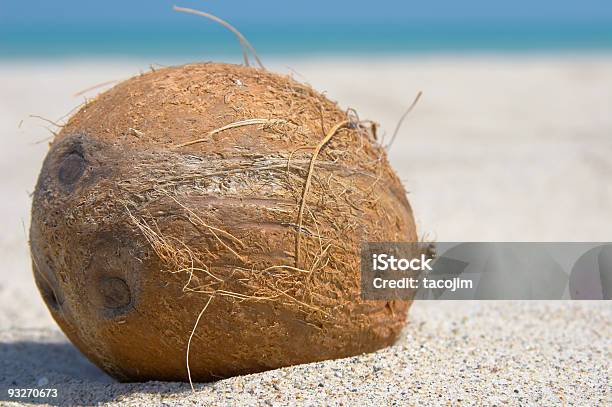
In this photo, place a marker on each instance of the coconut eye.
(115, 293)
(71, 168)
(48, 294)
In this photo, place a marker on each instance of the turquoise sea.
(141, 40)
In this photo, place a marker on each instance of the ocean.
(205, 38)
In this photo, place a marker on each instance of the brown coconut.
(218, 207)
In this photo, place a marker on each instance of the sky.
(79, 12)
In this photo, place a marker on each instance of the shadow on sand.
(59, 365)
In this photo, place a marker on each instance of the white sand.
(498, 149)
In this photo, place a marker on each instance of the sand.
(496, 353)
(498, 149)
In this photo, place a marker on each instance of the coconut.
(205, 221)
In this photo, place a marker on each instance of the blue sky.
(79, 12)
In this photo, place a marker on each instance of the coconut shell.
(144, 241)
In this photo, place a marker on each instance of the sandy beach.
(498, 149)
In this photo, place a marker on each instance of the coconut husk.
(221, 194)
